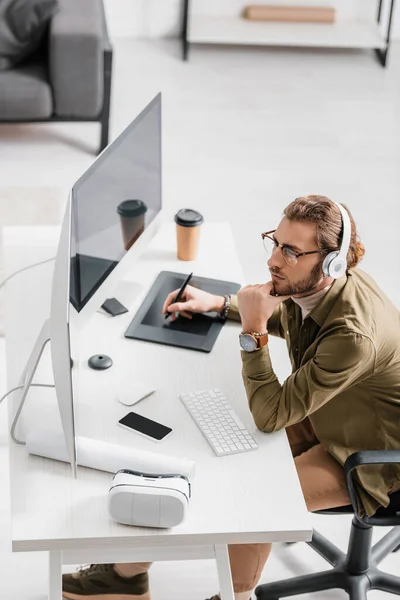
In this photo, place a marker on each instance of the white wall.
(161, 18)
(143, 18)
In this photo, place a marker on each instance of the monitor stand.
(27, 376)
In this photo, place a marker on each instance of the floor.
(245, 132)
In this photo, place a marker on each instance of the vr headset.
(148, 500)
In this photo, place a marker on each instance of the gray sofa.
(69, 79)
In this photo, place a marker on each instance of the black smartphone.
(150, 429)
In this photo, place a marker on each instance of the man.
(342, 336)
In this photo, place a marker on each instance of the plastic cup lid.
(131, 208)
(188, 217)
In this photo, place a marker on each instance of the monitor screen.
(114, 202)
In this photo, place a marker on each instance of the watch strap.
(262, 339)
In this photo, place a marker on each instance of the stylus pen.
(180, 293)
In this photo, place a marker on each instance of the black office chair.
(357, 571)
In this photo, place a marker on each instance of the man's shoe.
(101, 582)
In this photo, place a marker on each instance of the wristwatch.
(250, 341)
(225, 309)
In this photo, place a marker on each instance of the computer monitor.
(115, 210)
(112, 212)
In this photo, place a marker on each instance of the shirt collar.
(323, 308)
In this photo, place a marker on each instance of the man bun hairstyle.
(328, 220)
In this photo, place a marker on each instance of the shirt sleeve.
(274, 324)
(340, 361)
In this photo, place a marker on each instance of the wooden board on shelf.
(294, 14)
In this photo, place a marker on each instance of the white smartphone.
(150, 429)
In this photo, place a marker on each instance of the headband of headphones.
(344, 247)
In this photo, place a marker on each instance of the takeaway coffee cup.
(188, 223)
(131, 214)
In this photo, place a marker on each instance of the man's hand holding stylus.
(256, 304)
(193, 301)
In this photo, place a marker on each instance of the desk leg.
(224, 572)
(55, 575)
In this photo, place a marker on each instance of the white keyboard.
(218, 422)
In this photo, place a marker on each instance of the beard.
(304, 286)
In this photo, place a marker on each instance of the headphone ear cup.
(337, 268)
(327, 264)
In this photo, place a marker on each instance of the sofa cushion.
(25, 93)
(22, 27)
(76, 45)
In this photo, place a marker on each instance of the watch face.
(247, 342)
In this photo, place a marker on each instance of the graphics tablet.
(198, 333)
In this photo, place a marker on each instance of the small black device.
(99, 362)
(151, 429)
(114, 307)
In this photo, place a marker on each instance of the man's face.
(306, 275)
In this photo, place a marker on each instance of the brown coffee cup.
(188, 223)
(131, 213)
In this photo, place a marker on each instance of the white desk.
(246, 498)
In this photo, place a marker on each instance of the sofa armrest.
(369, 457)
(78, 39)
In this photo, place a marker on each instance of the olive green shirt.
(346, 377)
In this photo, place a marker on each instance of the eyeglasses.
(290, 256)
